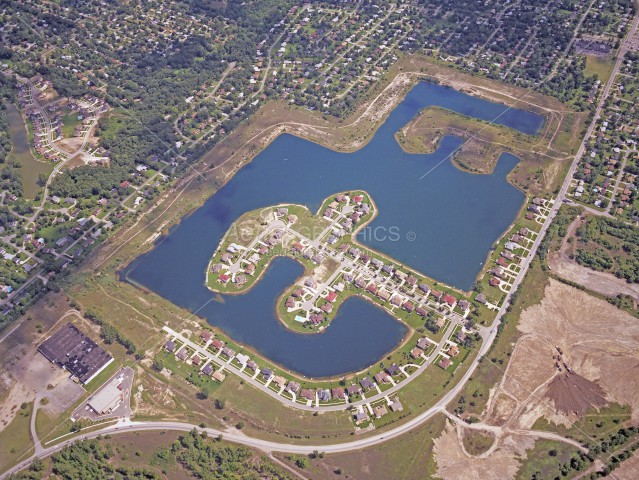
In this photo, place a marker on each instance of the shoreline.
(353, 240)
(271, 133)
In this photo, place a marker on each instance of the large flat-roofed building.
(72, 350)
(106, 399)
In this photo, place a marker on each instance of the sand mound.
(574, 394)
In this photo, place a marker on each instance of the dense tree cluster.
(88, 460)
(110, 334)
(616, 247)
(207, 459)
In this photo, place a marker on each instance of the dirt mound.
(599, 341)
(574, 394)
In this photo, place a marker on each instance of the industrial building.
(72, 350)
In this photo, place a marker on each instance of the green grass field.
(69, 122)
(600, 67)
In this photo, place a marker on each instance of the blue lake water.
(442, 223)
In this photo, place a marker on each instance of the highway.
(489, 336)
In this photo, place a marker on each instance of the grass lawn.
(409, 456)
(261, 413)
(602, 67)
(53, 233)
(594, 426)
(188, 373)
(477, 442)
(15, 439)
(69, 122)
(545, 460)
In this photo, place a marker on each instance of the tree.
(158, 364)
(203, 394)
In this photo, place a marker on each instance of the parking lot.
(123, 380)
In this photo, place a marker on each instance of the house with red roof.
(450, 300)
(331, 297)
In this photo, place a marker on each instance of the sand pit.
(573, 394)
(530, 366)
(599, 342)
(596, 341)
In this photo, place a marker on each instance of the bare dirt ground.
(600, 282)
(599, 342)
(70, 145)
(628, 470)
(599, 345)
(24, 371)
(503, 462)
(574, 394)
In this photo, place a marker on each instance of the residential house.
(396, 405)
(206, 336)
(416, 352)
(229, 352)
(353, 390)
(279, 381)
(208, 369)
(339, 393)
(384, 295)
(450, 300)
(293, 387)
(324, 395)
(445, 363)
(360, 417)
(453, 350)
(380, 410)
(366, 384)
(242, 358)
(393, 370)
(382, 377)
(182, 354)
(307, 394)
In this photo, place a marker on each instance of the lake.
(442, 224)
(30, 167)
